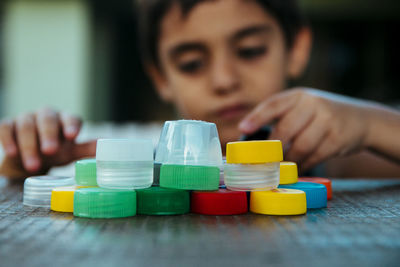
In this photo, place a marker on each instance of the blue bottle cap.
(316, 194)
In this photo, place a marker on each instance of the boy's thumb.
(85, 150)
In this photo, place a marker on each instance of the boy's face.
(219, 61)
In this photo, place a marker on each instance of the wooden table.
(360, 227)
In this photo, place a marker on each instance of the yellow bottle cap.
(62, 198)
(251, 152)
(278, 202)
(288, 173)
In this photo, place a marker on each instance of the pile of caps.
(185, 176)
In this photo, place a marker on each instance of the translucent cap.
(124, 150)
(37, 190)
(189, 142)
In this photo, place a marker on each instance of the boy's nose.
(224, 76)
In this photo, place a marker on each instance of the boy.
(226, 61)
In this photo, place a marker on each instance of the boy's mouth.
(233, 112)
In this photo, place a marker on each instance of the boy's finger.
(324, 151)
(308, 140)
(48, 128)
(267, 111)
(71, 125)
(7, 138)
(28, 142)
(292, 123)
(84, 150)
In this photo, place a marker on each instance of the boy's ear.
(159, 82)
(300, 53)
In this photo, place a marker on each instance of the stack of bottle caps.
(316, 193)
(124, 180)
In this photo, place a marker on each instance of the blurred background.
(82, 56)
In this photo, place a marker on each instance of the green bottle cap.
(162, 201)
(85, 172)
(189, 177)
(104, 203)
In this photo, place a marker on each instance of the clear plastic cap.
(124, 150)
(37, 189)
(189, 142)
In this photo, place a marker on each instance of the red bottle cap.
(319, 180)
(221, 202)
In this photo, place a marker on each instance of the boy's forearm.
(383, 135)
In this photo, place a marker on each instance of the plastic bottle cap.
(104, 203)
(162, 201)
(85, 172)
(189, 177)
(319, 180)
(221, 202)
(125, 175)
(124, 150)
(252, 177)
(316, 193)
(37, 189)
(62, 198)
(278, 202)
(189, 142)
(250, 152)
(288, 173)
(124, 163)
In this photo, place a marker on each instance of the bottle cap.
(62, 198)
(251, 177)
(288, 173)
(319, 180)
(278, 202)
(85, 172)
(316, 193)
(162, 201)
(189, 177)
(251, 152)
(124, 163)
(189, 142)
(221, 202)
(37, 189)
(124, 150)
(104, 203)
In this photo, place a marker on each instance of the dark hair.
(151, 12)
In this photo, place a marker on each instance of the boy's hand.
(312, 125)
(33, 143)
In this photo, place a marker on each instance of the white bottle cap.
(124, 150)
(37, 189)
(189, 142)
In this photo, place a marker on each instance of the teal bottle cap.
(189, 177)
(162, 201)
(85, 172)
(104, 203)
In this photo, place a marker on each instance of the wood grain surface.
(360, 227)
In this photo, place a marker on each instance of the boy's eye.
(251, 52)
(191, 66)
